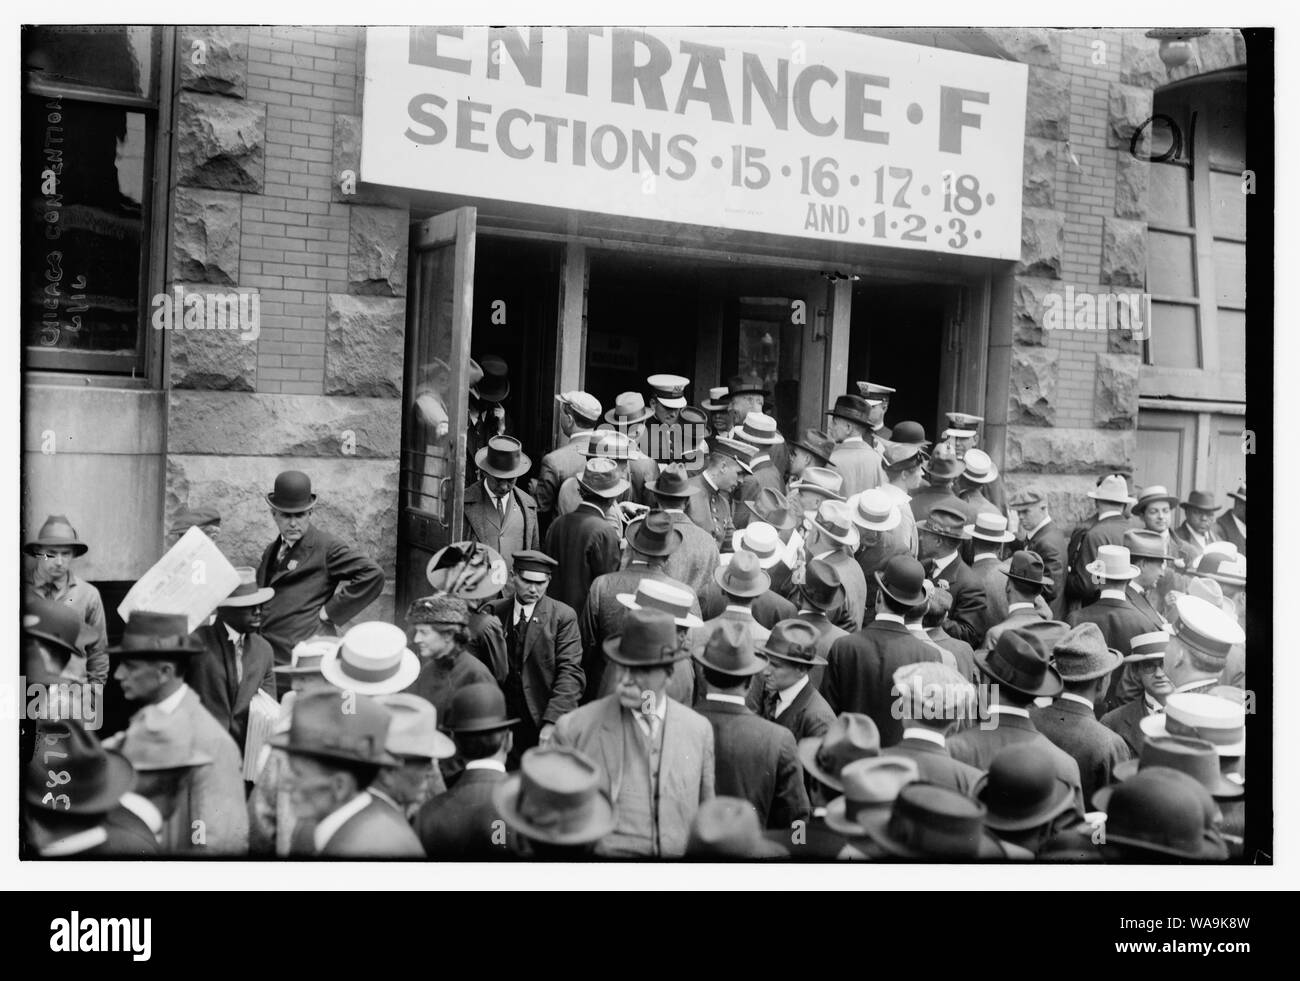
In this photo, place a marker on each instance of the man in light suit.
(336, 748)
(579, 414)
(236, 661)
(756, 760)
(542, 676)
(1044, 537)
(210, 820)
(861, 466)
(656, 753)
(320, 582)
(497, 512)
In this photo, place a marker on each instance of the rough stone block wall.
(265, 117)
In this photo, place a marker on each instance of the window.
(89, 119)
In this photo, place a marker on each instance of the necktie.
(772, 705)
(501, 507)
(48, 590)
(239, 658)
(652, 720)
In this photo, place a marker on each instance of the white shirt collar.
(786, 697)
(760, 458)
(1071, 696)
(1113, 593)
(330, 824)
(168, 704)
(1038, 527)
(486, 764)
(1010, 710)
(852, 439)
(890, 617)
(75, 843)
(1019, 606)
(1133, 585)
(1109, 513)
(917, 627)
(235, 635)
(709, 480)
(1153, 705)
(594, 507)
(715, 696)
(737, 608)
(943, 563)
(983, 557)
(920, 732)
(387, 798)
(528, 612)
(1241, 525)
(144, 809)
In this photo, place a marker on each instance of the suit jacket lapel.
(799, 702)
(297, 555)
(611, 745)
(254, 670)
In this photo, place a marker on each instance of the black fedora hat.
(903, 580)
(649, 640)
(854, 408)
(148, 635)
(98, 777)
(794, 642)
(1021, 789)
(503, 457)
(933, 822)
(673, 483)
(1021, 664)
(816, 444)
(745, 385)
(1162, 811)
(655, 535)
(1026, 567)
(1196, 757)
(477, 708)
(56, 532)
(292, 492)
(1202, 500)
(494, 386)
(822, 587)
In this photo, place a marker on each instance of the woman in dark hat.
(51, 577)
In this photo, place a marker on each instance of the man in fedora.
(833, 537)
(51, 577)
(439, 625)
(815, 485)
(941, 469)
(1154, 508)
(1159, 815)
(579, 415)
(556, 806)
(790, 698)
(1231, 526)
(755, 759)
(632, 465)
(1197, 530)
(1085, 665)
(1025, 580)
(742, 580)
(1027, 803)
(932, 700)
(1144, 670)
(745, 394)
(1041, 535)
(583, 543)
(655, 753)
(649, 543)
(695, 559)
(1112, 611)
(236, 661)
(154, 656)
(1014, 673)
(486, 409)
(926, 822)
(320, 581)
(903, 463)
(206, 519)
(711, 506)
(849, 739)
(457, 826)
(761, 540)
(542, 675)
(1203, 637)
(1108, 528)
(414, 740)
(678, 603)
(940, 536)
(336, 748)
(1147, 552)
(820, 594)
(860, 667)
(759, 431)
(497, 512)
(813, 449)
(861, 466)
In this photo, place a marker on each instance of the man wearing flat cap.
(1044, 537)
(583, 542)
(656, 754)
(1085, 665)
(542, 678)
(497, 512)
(51, 577)
(579, 415)
(861, 466)
(320, 581)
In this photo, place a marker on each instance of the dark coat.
(966, 618)
(586, 546)
(1118, 620)
(377, 831)
(853, 612)
(765, 474)
(214, 679)
(483, 522)
(1228, 531)
(827, 634)
(872, 558)
(457, 826)
(768, 609)
(711, 510)
(1075, 729)
(437, 685)
(806, 717)
(1013, 621)
(552, 658)
(327, 573)
(936, 765)
(1079, 586)
(1184, 534)
(962, 651)
(1142, 602)
(695, 559)
(977, 746)
(756, 760)
(1126, 721)
(124, 835)
(1049, 543)
(925, 498)
(558, 466)
(860, 672)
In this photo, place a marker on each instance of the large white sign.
(791, 131)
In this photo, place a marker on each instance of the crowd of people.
(688, 635)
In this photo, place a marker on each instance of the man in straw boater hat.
(579, 415)
(583, 543)
(979, 472)
(860, 667)
(712, 506)
(850, 425)
(320, 581)
(639, 737)
(458, 825)
(1112, 611)
(876, 515)
(932, 700)
(154, 656)
(541, 674)
(1026, 580)
(1040, 534)
(941, 534)
(677, 602)
(694, 560)
(1085, 665)
(763, 541)
(557, 806)
(1231, 526)
(790, 698)
(903, 463)
(757, 430)
(1107, 528)
(628, 419)
(51, 577)
(989, 538)
(783, 515)
(1014, 673)
(718, 409)
(833, 537)
(1028, 803)
(236, 661)
(1197, 530)
(336, 748)
(1144, 674)
(497, 512)
(754, 759)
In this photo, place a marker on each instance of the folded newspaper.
(191, 579)
(263, 712)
